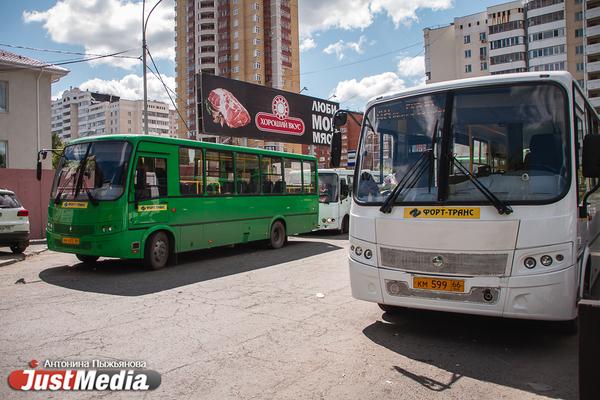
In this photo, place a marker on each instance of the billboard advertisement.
(234, 108)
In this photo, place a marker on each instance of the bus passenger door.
(345, 197)
(148, 200)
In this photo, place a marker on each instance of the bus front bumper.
(116, 244)
(549, 296)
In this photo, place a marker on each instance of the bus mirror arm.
(42, 154)
(583, 209)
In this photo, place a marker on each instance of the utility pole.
(144, 50)
(145, 116)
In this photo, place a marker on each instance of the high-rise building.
(254, 41)
(516, 36)
(80, 113)
(591, 51)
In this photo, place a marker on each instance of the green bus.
(148, 197)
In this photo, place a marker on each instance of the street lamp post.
(144, 49)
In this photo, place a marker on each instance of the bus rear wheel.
(87, 259)
(157, 251)
(278, 236)
(345, 224)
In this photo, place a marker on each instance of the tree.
(57, 144)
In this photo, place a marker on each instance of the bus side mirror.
(38, 171)
(340, 118)
(336, 149)
(591, 156)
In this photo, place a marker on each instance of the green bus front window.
(98, 168)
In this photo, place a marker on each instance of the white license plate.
(5, 228)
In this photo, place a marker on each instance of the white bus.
(334, 198)
(477, 196)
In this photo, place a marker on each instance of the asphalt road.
(247, 323)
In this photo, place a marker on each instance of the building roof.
(10, 60)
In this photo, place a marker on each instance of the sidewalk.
(36, 246)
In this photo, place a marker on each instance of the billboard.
(234, 108)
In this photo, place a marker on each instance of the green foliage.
(57, 144)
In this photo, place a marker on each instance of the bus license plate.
(444, 285)
(70, 240)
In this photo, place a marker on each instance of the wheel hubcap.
(159, 251)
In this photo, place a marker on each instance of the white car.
(14, 222)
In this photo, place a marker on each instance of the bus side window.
(344, 192)
(150, 178)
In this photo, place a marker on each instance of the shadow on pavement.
(328, 234)
(532, 356)
(129, 278)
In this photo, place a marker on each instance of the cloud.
(412, 66)
(108, 26)
(340, 46)
(130, 87)
(358, 92)
(307, 44)
(319, 15)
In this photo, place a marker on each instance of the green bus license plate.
(444, 285)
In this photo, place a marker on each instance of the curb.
(4, 263)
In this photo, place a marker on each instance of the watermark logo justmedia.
(91, 375)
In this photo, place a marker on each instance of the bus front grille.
(445, 263)
(74, 229)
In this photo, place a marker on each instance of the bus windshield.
(102, 174)
(328, 187)
(511, 139)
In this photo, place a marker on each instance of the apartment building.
(80, 113)
(591, 51)
(253, 41)
(519, 36)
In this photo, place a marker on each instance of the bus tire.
(345, 225)
(87, 259)
(19, 248)
(157, 251)
(278, 235)
(391, 309)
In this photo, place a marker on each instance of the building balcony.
(592, 31)
(593, 67)
(593, 84)
(592, 13)
(595, 101)
(593, 49)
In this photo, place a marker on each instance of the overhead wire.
(15, 46)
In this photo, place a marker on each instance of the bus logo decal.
(438, 261)
(443, 212)
(75, 204)
(152, 207)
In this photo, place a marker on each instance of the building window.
(468, 68)
(579, 32)
(235, 69)
(484, 66)
(3, 96)
(235, 11)
(257, 77)
(579, 49)
(579, 67)
(482, 36)
(3, 154)
(256, 53)
(236, 57)
(467, 39)
(256, 41)
(579, 16)
(236, 45)
(467, 53)
(256, 29)
(256, 65)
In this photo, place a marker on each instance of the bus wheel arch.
(278, 233)
(345, 225)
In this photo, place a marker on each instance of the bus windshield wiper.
(502, 207)
(80, 184)
(410, 178)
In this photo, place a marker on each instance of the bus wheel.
(87, 259)
(345, 224)
(156, 252)
(19, 248)
(278, 236)
(391, 309)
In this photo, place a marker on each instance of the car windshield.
(104, 170)
(512, 138)
(328, 187)
(8, 200)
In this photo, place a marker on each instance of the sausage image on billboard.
(226, 109)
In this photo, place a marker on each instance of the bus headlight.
(546, 260)
(530, 263)
(358, 250)
(368, 254)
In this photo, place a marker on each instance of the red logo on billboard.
(279, 121)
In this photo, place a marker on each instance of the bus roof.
(563, 77)
(190, 143)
